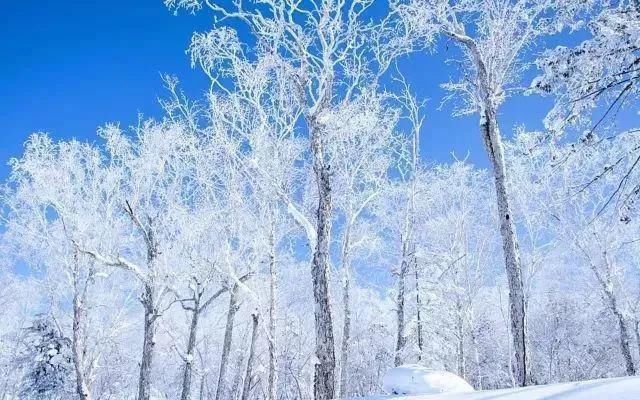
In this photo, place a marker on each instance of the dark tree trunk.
(150, 316)
(226, 346)
(401, 339)
(246, 387)
(191, 345)
(273, 293)
(324, 377)
(418, 306)
(625, 346)
(346, 304)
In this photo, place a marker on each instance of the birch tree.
(493, 38)
(206, 279)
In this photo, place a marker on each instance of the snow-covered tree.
(493, 37)
(602, 237)
(48, 362)
(332, 53)
(599, 72)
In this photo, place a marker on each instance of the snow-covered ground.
(627, 388)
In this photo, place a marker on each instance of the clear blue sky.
(70, 66)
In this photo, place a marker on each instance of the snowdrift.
(415, 379)
(627, 388)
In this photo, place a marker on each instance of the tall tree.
(493, 37)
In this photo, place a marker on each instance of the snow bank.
(415, 379)
(627, 388)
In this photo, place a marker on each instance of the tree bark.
(324, 377)
(637, 332)
(460, 334)
(493, 143)
(246, 387)
(228, 336)
(607, 288)
(148, 344)
(198, 308)
(272, 392)
(401, 339)
(476, 356)
(79, 314)
(203, 380)
(625, 347)
(418, 306)
(148, 300)
(191, 345)
(346, 303)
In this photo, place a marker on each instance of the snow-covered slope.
(601, 389)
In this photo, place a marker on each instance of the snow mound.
(415, 379)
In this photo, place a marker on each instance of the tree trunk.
(203, 380)
(238, 380)
(625, 347)
(490, 131)
(401, 339)
(637, 331)
(460, 334)
(246, 387)
(82, 388)
(346, 300)
(418, 306)
(273, 288)
(406, 241)
(228, 336)
(150, 315)
(191, 345)
(324, 377)
(476, 357)
(144, 382)
(493, 143)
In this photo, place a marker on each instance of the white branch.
(118, 262)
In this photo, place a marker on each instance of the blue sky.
(70, 66)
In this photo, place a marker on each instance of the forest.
(282, 237)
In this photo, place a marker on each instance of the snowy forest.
(282, 237)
